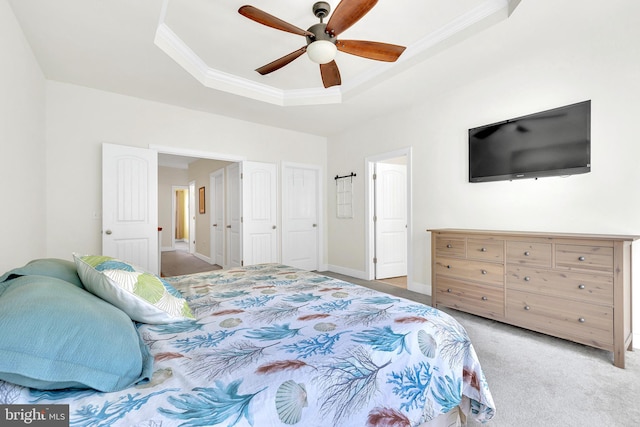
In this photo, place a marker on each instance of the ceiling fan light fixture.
(322, 51)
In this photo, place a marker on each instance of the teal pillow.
(54, 335)
(52, 267)
(142, 295)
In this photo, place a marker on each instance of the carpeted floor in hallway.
(177, 263)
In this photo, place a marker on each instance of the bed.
(270, 345)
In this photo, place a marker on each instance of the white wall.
(79, 120)
(546, 55)
(22, 147)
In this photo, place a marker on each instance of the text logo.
(34, 415)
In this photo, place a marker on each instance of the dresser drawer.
(451, 247)
(487, 301)
(591, 288)
(476, 271)
(589, 324)
(528, 253)
(488, 250)
(596, 258)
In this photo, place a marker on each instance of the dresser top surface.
(538, 234)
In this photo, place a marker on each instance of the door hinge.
(241, 263)
(241, 175)
(375, 176)
(241, 219)
(375, 218)
(375, 260)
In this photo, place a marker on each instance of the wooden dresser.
(572, 286)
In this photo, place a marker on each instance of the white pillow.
(142, 295)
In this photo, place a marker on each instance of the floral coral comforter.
(277, 346)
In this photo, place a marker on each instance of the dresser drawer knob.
(581, 320)
(580, 258)
(449, 290)
(484, 298)
(484, 271)
(448, 266)
(449, 246)
(526, 307)
(483, 250)
(527, 278)
(527, 253)
(581, 286)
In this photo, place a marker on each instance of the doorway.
(225, 197)
(182, 169)
(180, 226)
(388, 205)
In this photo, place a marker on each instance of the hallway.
(179, 262)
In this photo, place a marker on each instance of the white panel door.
(259, 213)
(192, 217)
(216, 181)
(130, 205)
(391, 220)
(233, 225)
(300, 216)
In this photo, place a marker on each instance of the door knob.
(315, 225)
(228, 226)
(273, 227)
(215, 225)
(107, 232)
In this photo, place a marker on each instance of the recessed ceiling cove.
(224, 50)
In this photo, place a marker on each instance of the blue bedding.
(277, 346)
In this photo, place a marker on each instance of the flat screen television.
(549, 143)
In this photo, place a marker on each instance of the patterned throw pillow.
(143, 296)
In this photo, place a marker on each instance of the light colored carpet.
(177, 263)
(540, 381)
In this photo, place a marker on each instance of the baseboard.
(203, 257)
(422, 288)
(347, 272)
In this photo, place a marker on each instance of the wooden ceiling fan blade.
(347, 13)
(330, 74)
(371, 50)
(264, 18)
(281, 62)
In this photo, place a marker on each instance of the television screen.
(548, 143)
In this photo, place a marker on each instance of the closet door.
(130, 205)
(233, 224)
(259, 213)
(216, 183)
(301, 216)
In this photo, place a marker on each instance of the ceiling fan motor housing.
(321, 10)
(319, 33)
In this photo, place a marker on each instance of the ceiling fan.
(322, 42)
